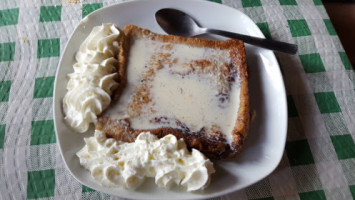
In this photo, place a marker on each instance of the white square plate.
(265, 145)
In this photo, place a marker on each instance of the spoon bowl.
(176, 22)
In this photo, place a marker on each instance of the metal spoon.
(176, 22)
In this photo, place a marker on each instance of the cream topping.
(167, 160)
(179, 89)
(91, 84)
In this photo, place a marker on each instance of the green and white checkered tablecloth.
(319, 158)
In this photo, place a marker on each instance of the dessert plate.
(265, 145)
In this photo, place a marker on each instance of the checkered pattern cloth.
(319, 158)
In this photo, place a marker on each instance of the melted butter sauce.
(178, 86)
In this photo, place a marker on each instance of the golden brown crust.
(213, 147)
(122, 62)
(133, 31)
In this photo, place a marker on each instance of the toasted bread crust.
(211, 147)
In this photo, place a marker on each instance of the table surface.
(319, 158)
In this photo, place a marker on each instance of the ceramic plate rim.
(58, 121)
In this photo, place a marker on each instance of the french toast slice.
(193, 88)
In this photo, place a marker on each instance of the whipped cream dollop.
(167, 160)
(91, 84)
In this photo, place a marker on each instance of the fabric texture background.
(319, 158)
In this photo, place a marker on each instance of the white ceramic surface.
(265, 145)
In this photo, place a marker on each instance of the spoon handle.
(260, 42)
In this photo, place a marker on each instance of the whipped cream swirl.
(115, 163)
(91, 84)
